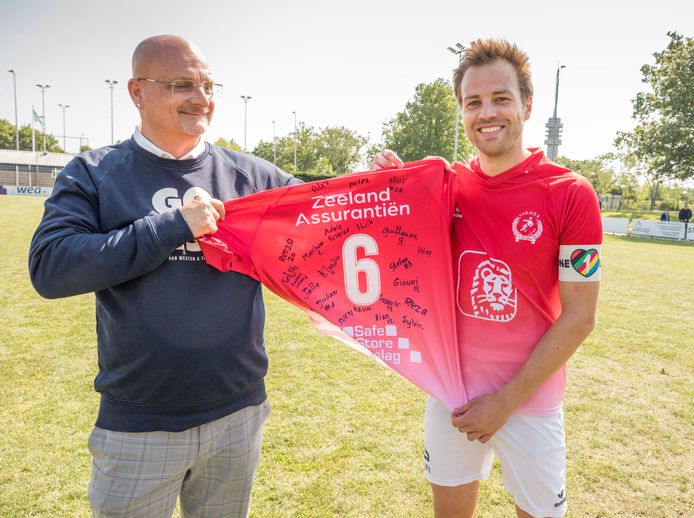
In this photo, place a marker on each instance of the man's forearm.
(554, 349)
(70, 254)
(65, 262)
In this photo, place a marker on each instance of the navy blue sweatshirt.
(179, 343)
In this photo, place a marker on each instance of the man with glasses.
(180, 345)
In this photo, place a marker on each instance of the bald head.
(160, 50)
(171, 120)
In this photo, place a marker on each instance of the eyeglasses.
(184, 88)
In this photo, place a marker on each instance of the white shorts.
(530, 449)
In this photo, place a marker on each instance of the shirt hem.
(123, 417)
(539, 412)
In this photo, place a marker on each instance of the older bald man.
(181, 351)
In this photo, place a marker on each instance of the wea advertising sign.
(24, 190)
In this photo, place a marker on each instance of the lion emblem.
(492, 294)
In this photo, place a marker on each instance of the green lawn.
(345, 435)
(638, 214)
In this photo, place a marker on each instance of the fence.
(649, 228)
(31, 178)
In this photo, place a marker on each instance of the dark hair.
(484, 52)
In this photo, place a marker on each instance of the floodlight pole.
(16, 125)
(458, 50)
(16, 120)
(43, 112)
(245, 98)
(111, 84)
(295, 137)
(64, 107)
(274, 144)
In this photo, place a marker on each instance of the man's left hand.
(481, 417)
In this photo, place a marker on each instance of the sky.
(354, 64)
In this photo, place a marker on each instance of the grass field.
(639, 214)
(345, 435)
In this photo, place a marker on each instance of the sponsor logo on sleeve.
(579, 263)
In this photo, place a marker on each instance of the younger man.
(526, 245)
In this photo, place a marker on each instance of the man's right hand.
(384, 159)
(202, 215)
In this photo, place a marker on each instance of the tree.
(597, 170)
(628, 187)
(306, 150)
(7, 135)
(306, 156)
(625, 178)
(427, 125)
(663, 139)
(340, 147)
(264, 150)
(25, 140)
(7, 138)
(283, 148)
(228, 144)
(319, 153)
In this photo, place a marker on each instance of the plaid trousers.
(211, 466)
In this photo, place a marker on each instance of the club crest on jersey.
(485, 288)
(527, 226)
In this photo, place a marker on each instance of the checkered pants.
(211, 466)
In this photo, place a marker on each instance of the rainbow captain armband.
(579, 263)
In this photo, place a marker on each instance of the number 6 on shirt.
(369, 267)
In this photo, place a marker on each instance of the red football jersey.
(515, 236)
(367, 255)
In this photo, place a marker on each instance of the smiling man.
(180, 345)
(172, 122)
(526, 247)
